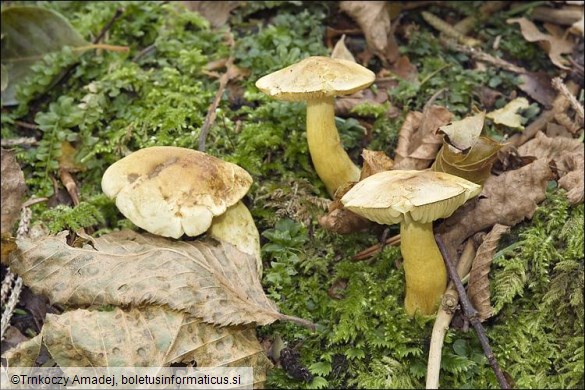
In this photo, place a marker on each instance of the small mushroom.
(414, 199)
(317, 80)
(171, 191)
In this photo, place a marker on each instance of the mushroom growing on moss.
(171, 191)
(317, 80)
(414, 199)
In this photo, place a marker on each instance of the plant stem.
(471, 314)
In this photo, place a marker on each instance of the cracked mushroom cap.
(316, 77)
(170, 191)
(391, 197)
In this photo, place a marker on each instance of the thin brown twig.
(108, 25)
(558, 84)
(471, 314)
(375, 249)
(212, 110)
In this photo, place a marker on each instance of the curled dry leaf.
(374, 162)
(341, 51)
(479, 284)
(463, 134)
(567, 153)
(572, 179)
(508, 115)
(418, 141)
(554, 45)
(538, 86)
(475, 165)
(215, 282)
(373, 17)
(345, 104)
(506, 199)
(13, 190)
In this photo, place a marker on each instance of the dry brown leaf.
(567, 153)
(343, 221)
(13, 190)
(418, 141)
(216, 12)
(341, 51)
(549, 148)
(506, 199)
(215, 282)
(373, 17)
(538, 85)
(554, 45)
(374, 162)
(572, 172)
(463, 134)
(479, 284)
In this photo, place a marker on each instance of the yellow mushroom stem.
(236, 226)
(424, 270)
(330, 160)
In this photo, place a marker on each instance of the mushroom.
(414, 199)
(317, 80)
(171, 191)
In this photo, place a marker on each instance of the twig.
(482, 56)
(558, 84)
(26, 125)
(375, 249)
(448, 30)
(19, 141)
(108, 25)
(444, 317)
(212, 110)
(471, 314)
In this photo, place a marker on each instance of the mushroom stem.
(424, 269)
(236, 226)
(330, 160)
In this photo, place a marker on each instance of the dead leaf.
(548, 148)
(24, 354)
(418, 141)
(374, 162)
(506, 199)
(554, 45)
(13, 190)
(216, 12)
(479, 284)
(572, 172)
(475, 165)
(146, 337)
(341, 51)
(508, 115)
(343, 221)
(464, 133)
(373, 17)
(215, 282)
(539, 87)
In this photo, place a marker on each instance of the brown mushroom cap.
(391, 197)
(316, 77)
(170, 191)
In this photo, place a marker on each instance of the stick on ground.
(471, 314)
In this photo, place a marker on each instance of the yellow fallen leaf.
(508, 116)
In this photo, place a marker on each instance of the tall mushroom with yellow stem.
(317, 80)
(171, 191)
(414, 199)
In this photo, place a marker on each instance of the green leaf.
(29, 33)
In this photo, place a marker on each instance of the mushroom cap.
(169, 191)
(403, 195)
(315, 78)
